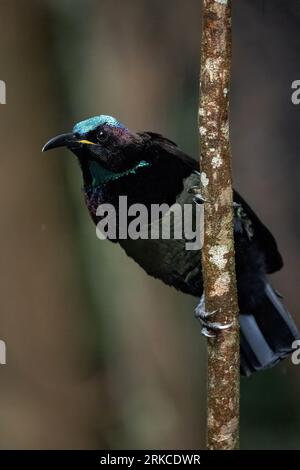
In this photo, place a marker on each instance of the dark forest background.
(99, 355)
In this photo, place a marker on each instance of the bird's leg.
(199, 199)
(209, 328)
(196, 191)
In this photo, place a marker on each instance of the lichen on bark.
(218, 262)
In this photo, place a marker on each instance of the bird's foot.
(209, 328)
(198, 198)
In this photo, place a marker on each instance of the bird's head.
(100, 141)
(144, 166)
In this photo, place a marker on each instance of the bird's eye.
(101, 136)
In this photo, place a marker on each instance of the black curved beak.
(63, 140)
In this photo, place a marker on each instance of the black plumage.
(150, 169)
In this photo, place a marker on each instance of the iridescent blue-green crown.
(84, 127)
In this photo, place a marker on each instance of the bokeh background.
(99, 355)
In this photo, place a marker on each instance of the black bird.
(150, 169)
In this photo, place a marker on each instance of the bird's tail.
(266, 336)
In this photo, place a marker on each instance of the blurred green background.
(99, 355)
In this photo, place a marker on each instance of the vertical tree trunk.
(218, 251)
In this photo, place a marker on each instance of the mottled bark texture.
(218, 251)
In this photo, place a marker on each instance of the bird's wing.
(169, 150)
(261, 235)
(159, 138)
(171, 259)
